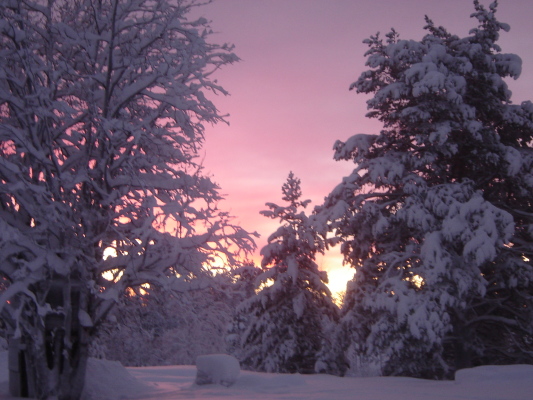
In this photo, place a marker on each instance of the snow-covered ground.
(109, 381)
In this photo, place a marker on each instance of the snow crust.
(108, 380)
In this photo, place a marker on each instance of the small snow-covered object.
(220, 369)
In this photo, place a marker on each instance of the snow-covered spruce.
(437, 216)
(102, 112)
(285, 326)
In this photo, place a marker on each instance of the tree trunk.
(72, 378)
(463, 353)
(50, 359)
(48, 368)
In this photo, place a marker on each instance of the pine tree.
(289, 316)
(437, 215)
(102, 108)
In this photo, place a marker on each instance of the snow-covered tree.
(102, 112)
(243, 288)
(437, 215)
(158, 327)
(286, 322)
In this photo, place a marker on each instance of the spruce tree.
(289, 316)
(437, 215)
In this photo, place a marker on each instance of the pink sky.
(289, 95)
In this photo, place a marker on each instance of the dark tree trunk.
(50, 359)
(463, 352)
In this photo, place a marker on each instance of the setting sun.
(338, 275)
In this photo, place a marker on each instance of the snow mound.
(109, 380)
(220, 369)
(491, 373)
(105, 380)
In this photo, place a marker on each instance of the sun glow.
(338, 275)
(417, 280)
(338, 278)
(110, 252)
(111, 275)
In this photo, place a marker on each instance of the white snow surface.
(108, 380)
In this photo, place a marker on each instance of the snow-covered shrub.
(164, 328)
(221, 369)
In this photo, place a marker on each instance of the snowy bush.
(164, 328)
(220, 369)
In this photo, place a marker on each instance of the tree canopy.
(437, 214)
(102, 113)
(289, 317)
